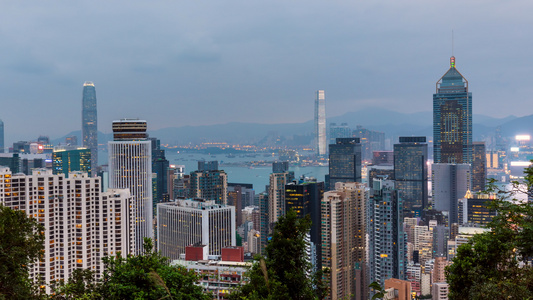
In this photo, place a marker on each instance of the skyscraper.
(450, 182)
(411, 173)
(209, 183)
(452, 118)
(68, 160)
(1, 136)
(344, 239)
(344, 162)
(304, 196)
(320, 123)
(89, 122)
(387, 247)
(130, 167)
(479, 166)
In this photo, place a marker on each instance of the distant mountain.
(392, 123)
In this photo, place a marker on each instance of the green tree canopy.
(144, 276)
(148, 276)
(498, 264)
(21, 244)
(285, 273)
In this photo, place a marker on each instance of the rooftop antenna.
(452, 59)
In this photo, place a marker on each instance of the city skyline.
(363, 53)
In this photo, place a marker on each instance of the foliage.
(21, 244)
(148, 276)
(285, 273)
(81, 285)
(498, 264)
(145, 276)
(380, 291)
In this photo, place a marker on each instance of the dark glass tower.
(452, 118)
(411, 173)
(344, 161)
(89, 124)
(1, 136)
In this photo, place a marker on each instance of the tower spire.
(452, 59)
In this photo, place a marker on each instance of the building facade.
(344, 240)
(320, 123)
(89, 122)
(69, 160)
(189, 222)
(387, 240)
(452, 118)
(209, 184)
(82, 225)
(130, 167)
(411, 173)
(344, 161)
(450, 182)
(479, 166)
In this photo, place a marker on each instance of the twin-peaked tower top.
(452, 118)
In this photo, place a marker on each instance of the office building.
(450, 182)
(320, 123)
(130, 167)
(344, 240)
(479, 166)
(370, 141)
(280, 166)
(276, 196)
(89, 122)
(344, 161)
(81, 224)
(387, 240)
(69, 159)
(160, 166)
(411, 173)
(382, 158)
(473, 209)
(338, 131)
(209, 183)
(2, 137)
(188, 222)
(304, 196)
(452, 118)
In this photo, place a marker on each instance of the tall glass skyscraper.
(411, 173)
(1, 136)
(452, 118)
(344, 162)
(89, 122)
(320, 123)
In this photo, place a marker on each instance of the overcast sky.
(177, 63)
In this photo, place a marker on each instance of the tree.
(21, 244)
(498, 264)
(285, 273)
(148, 276)
(81, 285)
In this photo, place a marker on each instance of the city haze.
(201, 63)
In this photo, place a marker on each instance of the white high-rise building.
(130, 167)
(82, 225)
(320, 123)
(189, 222)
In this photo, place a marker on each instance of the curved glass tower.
(452, 118)
(89, 123)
